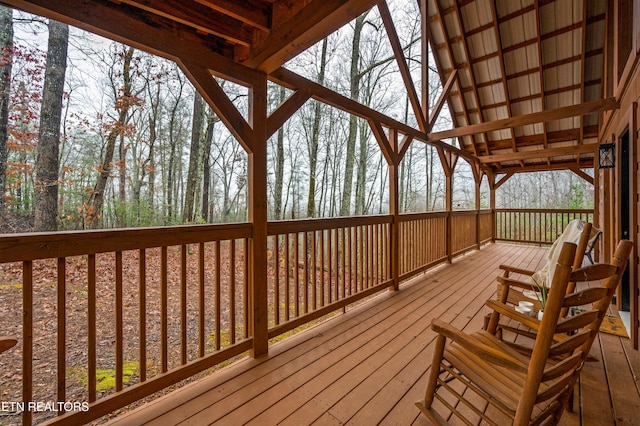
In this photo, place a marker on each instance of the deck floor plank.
(370, 365)
(622, 384)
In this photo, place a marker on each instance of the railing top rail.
(41, 245)
(406, 217)
(304, 225)
(581, 211)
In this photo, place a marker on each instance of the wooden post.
(394, 211)
(477, 177)
(257, 175)
(447, 166)
(492, 204)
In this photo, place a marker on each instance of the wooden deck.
(369, 365)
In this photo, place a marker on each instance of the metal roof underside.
(518, 57)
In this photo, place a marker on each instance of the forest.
(96, 134)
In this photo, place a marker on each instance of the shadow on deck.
(369, 365)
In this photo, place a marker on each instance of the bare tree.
(6, 48)
(124, 100)
(354, 86)
(315, 136)
(46, 183)
(194, 157)
(279, 178)
(206, 164)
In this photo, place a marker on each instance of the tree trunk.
(315, 136)
(206, 166)
(345, 203)
(194, 157)
(361, 175)
(46, 184)
(279, 167)
(6, 60)
(121, 214)
(122, 105)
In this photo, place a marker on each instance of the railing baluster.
(201, 300)
(27, 338)
(232, 291)
(245, 297)
(305, 269)
(276, 279)
(322, 274)
(183, 304)
(164, 271)
(296, 273)
(343, 258)
(330, 266)
(218, 294)
(91, 316)
(349, 250)
(142, 325)
(314, 265)
(336, 266)
(287, 292)
(62, 332)
(119, 323)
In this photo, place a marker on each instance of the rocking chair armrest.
(488, 353)
(7, 342)
(510, 312)
(508, 268)
(516, 283)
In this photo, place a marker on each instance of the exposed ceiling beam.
(586, 163)
(385, 14)
(543, 153)
(285, 111)
(251, 12)
(521, 120)
(313, 23)
(446, 91)
(583, 175)
(293, 81)
(140, 29)
(198, 17)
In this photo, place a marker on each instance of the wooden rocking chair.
(510, 290)
(7, 342)
(479, 377)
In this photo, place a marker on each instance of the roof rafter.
(542, 154)
(503, 71)
(250, 12)
(313, 23)
(536, 117)
(542, 95)
(198, 17)
(291, 80)
(402, 65)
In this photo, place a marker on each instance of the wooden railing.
(535, 226)
(170, 302)
(148, 308)
(423, 242)
(427, 239)
(318, 266)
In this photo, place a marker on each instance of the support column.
(257, 196)
(448, 160)
(491, 178)
(477, 176)
(394, 211)
(448, 208)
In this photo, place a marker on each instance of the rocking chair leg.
(433, 374)
(571, 397)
